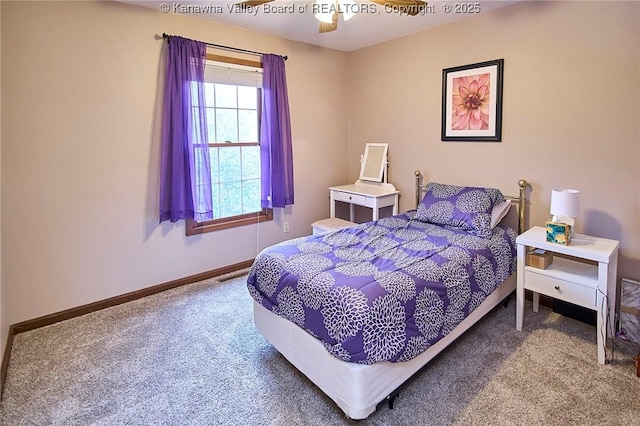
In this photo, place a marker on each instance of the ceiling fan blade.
(408, 7)
(325, 28)
(249, 3)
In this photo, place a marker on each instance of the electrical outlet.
(285, 226)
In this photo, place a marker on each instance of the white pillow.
(499, 211)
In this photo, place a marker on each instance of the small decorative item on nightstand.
(539, 258)
(558, 233)
(565, 206)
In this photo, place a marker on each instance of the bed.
(360, 310)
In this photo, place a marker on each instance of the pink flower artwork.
(470, 102)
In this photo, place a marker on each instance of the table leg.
(602, 308)
(520, 287)
(601, 327)
(332, 207)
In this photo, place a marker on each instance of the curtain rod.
(219, 46)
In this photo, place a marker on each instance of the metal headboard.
(520, 200)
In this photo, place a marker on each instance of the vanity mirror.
(373, 165)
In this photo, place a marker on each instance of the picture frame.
(472, 102)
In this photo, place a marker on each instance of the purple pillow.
(462, 207)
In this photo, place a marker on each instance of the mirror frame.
(373, 165)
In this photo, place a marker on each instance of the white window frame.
(234, 64)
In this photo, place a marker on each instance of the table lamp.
(565, 206)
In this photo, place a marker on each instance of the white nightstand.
(592, 286)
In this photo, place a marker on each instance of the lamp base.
(559, 233)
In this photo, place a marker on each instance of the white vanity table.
(371, 190)
(362, 193)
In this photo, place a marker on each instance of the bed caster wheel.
(392, 399)
(505, 303)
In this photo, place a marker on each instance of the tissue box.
(558, 233)
(539, 258)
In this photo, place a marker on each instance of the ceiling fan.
(327, 10)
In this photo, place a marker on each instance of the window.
(233, 108)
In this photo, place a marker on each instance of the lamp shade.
(565, 202)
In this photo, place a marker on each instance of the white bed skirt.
(356, 388)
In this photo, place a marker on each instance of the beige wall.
(570, 118)
(4, 305)
(80, 152)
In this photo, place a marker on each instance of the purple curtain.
(185, 180)
(275, 136)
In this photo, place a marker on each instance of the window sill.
(195, 228)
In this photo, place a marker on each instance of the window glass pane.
(211, 125)
(248, 126)
(251, 196)
(215, 200)
(230, 165)
(250, 162)
(227, 125)
(231, 198)
(226, 96)
(213, 160)
(209, 98)
(247, 97)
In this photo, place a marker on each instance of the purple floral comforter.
(382, 290)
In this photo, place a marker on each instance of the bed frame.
(356, 388)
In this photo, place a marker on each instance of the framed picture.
(472, 102)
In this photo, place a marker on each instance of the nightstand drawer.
(560, 289)
(350, 198)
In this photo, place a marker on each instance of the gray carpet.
(192, 356)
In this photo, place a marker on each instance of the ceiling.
(294, 19)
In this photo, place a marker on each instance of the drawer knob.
(557, 287)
